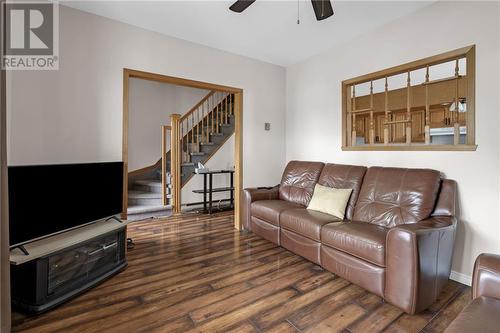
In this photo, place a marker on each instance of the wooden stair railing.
(193, 129)
(202, 120)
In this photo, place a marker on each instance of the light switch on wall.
(267, 126)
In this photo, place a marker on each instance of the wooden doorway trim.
(238, 130)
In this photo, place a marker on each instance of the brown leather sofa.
(481, 314)
(397, 237)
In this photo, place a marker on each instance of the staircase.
(204, 150)
(203, 130)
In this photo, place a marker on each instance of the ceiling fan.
(322, 8)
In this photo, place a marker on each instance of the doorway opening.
(173, 129)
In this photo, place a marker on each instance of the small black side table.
(209, 190)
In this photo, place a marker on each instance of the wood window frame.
(468, 52)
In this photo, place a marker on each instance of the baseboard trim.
(460, 277)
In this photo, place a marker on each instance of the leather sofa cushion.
(266, 230)
(344, 176)
(394, 196)
(301, 245)
(270, 210)
(305, 222)
(298, 181)
(364, 274)
(480, 315)
(360, 239)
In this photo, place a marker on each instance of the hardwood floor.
(198, 274)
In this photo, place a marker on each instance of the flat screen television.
(48, 199)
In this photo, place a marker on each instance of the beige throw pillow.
(330, 200)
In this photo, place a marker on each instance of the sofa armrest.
(418, 260)
(486, 278)
(254, 194)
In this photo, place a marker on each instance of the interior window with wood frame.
(427, 104)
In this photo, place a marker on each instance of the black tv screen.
(47, 199)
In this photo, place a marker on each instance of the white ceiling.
(267, 30)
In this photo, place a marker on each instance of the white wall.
(313, 118)
(150, 106)
(75, 114)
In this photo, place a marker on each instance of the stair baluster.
(386, 108)
(203, 122)
(192, 132)
(455, 115)
(225, 109)
(371, 132)
(207, 122)
(181, 131)
(197, 135)
(218, 120)
(427, 129)
(408, 109)
(353, 132)
(188, 148)
(212, 114)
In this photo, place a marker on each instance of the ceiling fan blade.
(322, 8)
(241, 5)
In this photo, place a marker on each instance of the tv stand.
(22, 248)
(114, 218)
(60, 267)
(130, 242)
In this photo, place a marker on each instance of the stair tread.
(143, 195)
(140, 209)
(148, 182)
(207, 143)
(197, 153)
(187, 164)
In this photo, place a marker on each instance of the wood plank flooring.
(195, 273)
